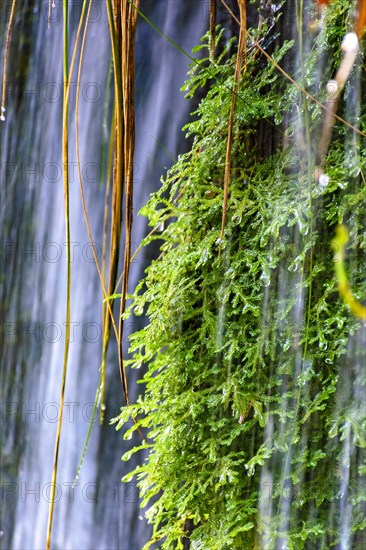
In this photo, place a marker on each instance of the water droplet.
(266, 279)
(2, 118)
(3, 109)
(205, 255)
(286, 345)
(350, 43)
(324, 180)
(304, 229)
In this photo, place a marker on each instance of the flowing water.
(278, 500)
(100, 512)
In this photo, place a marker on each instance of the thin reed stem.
(129, 21)
(114, 18)
(65, 164)
(213, 28)
(108, 307)
(105, 313)
(239, 61)
(8, 34)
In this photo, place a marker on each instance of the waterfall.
(295, 412)
(101, 512)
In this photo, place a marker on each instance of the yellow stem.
(11, 19)
(338, 244)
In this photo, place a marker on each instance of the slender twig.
(360, 26)
(239, 60)
(105, 313)
(213, 28)
(68, 254)
(350, 47)
(10, 25)
(114, 19)
(129, 21)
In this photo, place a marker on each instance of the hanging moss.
(246, 355)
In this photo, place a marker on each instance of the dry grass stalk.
(8, 34)
(239, 62)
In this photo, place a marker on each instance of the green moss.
(246, 355)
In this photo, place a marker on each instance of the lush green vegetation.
(245, 352)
